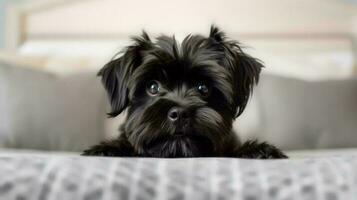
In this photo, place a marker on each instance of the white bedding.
(43, 175)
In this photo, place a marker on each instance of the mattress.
(36, 175)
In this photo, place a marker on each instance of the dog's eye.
(203, 89)
(153, 88)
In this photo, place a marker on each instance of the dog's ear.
(245, 69)
(116, 74)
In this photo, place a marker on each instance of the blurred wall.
(182, 16)
(115, 17)
(3, 4)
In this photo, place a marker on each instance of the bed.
(39, 175)
(50, 37)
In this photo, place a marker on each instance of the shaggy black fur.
(181, 99)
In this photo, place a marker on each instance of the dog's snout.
(177, 113)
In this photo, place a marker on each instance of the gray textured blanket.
(73, 177)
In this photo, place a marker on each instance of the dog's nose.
(177, 113)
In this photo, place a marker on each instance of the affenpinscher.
(181, 99)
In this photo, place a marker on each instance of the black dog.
(181, 99)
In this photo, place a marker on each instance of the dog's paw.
(253, 149)
(114, 148)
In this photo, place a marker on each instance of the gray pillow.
(297, 114)
(39, 110)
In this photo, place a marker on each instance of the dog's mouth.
(180, 145)
(177, 137)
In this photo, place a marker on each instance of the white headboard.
(91, 27)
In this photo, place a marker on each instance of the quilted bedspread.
(75, 177)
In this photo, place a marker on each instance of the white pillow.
(39, 110)
(298, 114)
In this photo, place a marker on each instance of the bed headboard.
(88, 26)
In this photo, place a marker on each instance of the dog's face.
(181, 99)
